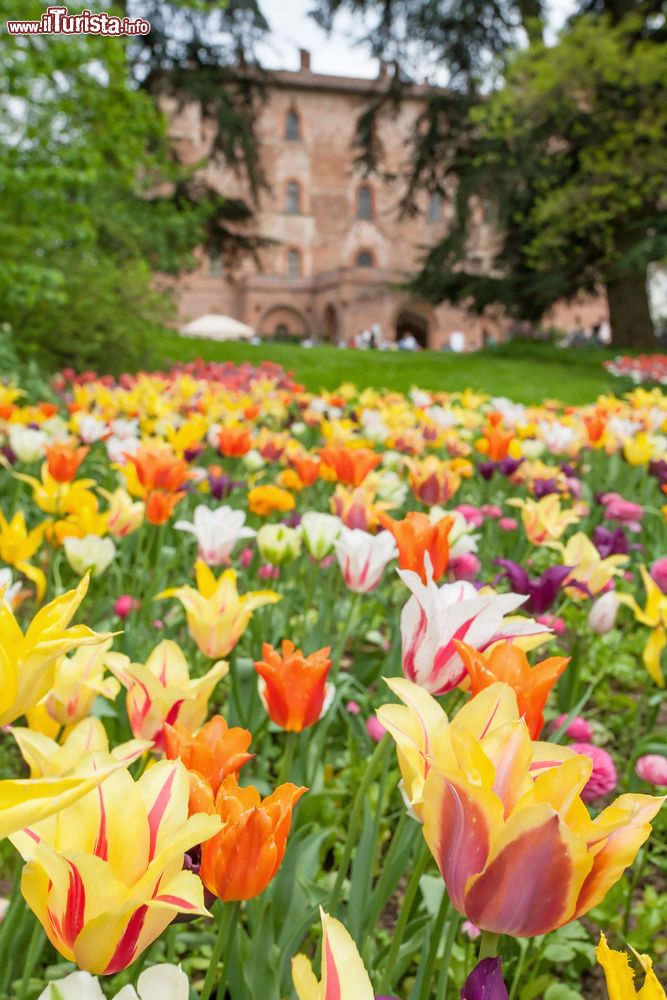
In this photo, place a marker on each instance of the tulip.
(349, 466)
(48, 759)
(509, 664)
(590, 573)
(217, 614)
(165, 982)
(267, 500)
(542, 591)
(58, 498)
(278, 544)
(617, 508)
(79, 680)
(434, 618)
(602, 616)
(343, 974)
(9, 590)
(125, 515)
(18, 546)
(363, 558)
(161, 690)
(654, 615)
(603, 779)
(27, 444)
(125, 605)
(240, 861)
(544, 520)
(375, 729)
(307, 466)
(485, 982)
(28, 662)
(496, 442)
(659, 573)
(90, 554)
(426, 738)
(652, 768)
(433, 481)
(577, 729)
(610, 543)
(215, 752)
(217, 532)
(254, 461)
(294, 687)
(416, 537)
(620, 978)
(320, 532)
(63, 461)
(107, 878)
(518, 852)
(234, 442)
(357, 508)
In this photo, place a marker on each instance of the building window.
(214, 262)
(294, 263)
(293, 198)
(365, 202)
(365, 259)
(435, 207)
(292, 126)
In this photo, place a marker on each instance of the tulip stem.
(443, 975)
(489, 945)
(222, 942)
(288, 758)
(406, 906)
(34, 948)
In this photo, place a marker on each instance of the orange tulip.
(509, 664)
(294, 687)
(240, 860)
(350, 466)
(160, 506)
(496, 441)
(234, 442)
(210, 755)
(307, 467)
(158, 469)
(415, 536)
(63, 461)
(266, 500)
(433, 481)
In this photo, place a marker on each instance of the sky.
(292, 29)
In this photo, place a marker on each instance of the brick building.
(341, 248)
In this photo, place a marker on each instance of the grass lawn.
(527, 373)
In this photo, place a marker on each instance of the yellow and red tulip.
(161, 690)
(106, 878)
(343, 974)
(654, 615)
(217, 614)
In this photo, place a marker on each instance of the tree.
(569, 147)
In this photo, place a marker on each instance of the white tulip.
(28, 444)
(90, 553)
(320, 531)
(602, 616)
(363, 557)
(217, 531)
(160, 982)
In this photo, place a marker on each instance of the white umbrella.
(217, 327)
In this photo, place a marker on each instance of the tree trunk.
(629, 315)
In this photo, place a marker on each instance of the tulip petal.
(343, 972)
(502, 899)
(459, 821)
(653, 653)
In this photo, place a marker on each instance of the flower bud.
(602, 616)
(278, 544)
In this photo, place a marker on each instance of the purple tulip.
(485, 982)
(610, 543)
(543, 487)
(486, 469)
(508, 466)
(542, 591)
(222, 486)
(659, 470)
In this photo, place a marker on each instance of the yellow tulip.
(161, 690)
(638, 449)
(48, 759)
(79, 681)
(654, 615)
(28, 662)
(343, 973)
(58, 498)
(620, 977)
(105, 877)
(125, 515)
(544, 520)
(217, 615)
(18, 546)
(588, 566)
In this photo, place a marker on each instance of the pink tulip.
(652, 768)
(473, 515)
(375, 729)
(557, 625)
(507, 523)
(617, 508)
(125, 605)
(268, 572)
(659, 573)
(603, 779)
(353, 707)
(465, 567)
(491, 510)
(578, 729)
(245, 558)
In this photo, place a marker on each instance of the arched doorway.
(284, 323)
(408, 322)
(330, 325)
